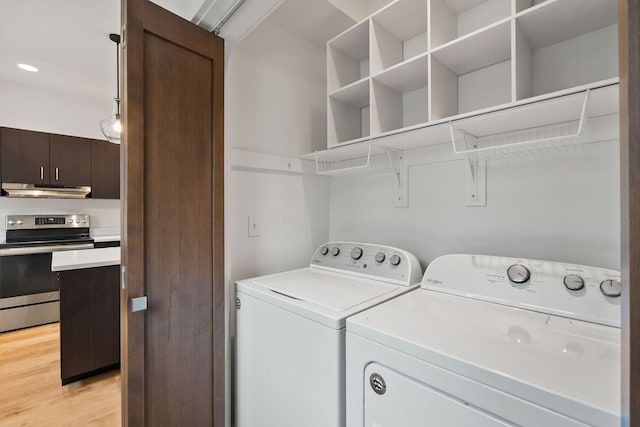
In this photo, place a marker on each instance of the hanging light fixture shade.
(112, 127)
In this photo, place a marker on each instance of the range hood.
(45, 191)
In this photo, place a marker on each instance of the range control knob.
(19, 222)
(11, 222)
(335, 251)
(395, 260)
(573, 282)
(356, 253)
(324, 250)
(611, 288)
(380, 257)
(518, 273)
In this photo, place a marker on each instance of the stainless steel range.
(29, 293)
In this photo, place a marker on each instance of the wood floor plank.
(30, 390)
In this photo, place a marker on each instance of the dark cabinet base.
(89, 322)
(79, 377)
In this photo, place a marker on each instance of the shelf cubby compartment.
(400, 96)
(526, 4)
(348, 113)
(561, 44)
(473, 73)
(451, 19)
(398, 33)
(348, 57)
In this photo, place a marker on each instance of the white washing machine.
(490, 341)
(290, 332)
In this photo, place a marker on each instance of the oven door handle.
(43, 249)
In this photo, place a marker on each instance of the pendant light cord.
(116, 38)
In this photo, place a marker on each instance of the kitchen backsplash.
(105, 214)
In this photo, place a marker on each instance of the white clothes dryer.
(490, 341)
(290, 332)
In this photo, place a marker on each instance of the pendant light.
(112, 127)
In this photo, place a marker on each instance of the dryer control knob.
(324, 250)
(611, 288)
(518, 273)
(335, 251)
(356, 253)
(573, 282)
(380, 257)
(395, 260)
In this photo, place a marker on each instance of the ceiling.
(66, 39)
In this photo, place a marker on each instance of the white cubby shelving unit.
(495, 79)
(416, 63)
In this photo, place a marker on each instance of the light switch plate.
(254, 229)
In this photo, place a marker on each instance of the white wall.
(276, 103)
(560, 207)
(45, 110)
(277, 93)
(41, 109)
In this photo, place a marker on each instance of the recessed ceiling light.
(28, 67)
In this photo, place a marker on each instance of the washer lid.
(566, 365)
(322, 296)
(333, 291)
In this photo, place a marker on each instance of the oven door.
(27, 270)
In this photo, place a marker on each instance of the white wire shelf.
(534, 141)
(376, 160)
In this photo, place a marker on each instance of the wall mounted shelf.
(493, 79)
(430, 60)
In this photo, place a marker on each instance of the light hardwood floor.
(30, 390)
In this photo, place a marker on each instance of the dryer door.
(392, 399)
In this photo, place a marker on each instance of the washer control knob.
(335, 251)
(324, 250)
(395, 260)
(356, 253)
(573, 282)
(518, 273)
(380, 257)
(611, 288)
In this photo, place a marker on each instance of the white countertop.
(110, 238)
(85, 258)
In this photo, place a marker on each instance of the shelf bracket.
(400, 172)
(475, 170)
(475, 183)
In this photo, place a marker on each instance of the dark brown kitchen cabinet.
(89, 322)
(25, 156)
(105, 169)
(69, 160)
(38, 158)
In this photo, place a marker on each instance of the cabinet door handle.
(57, 175)
(41, 173)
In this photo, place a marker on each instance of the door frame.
(137, 17)
(629, 62)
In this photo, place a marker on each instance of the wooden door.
(105, 170)
(172, 170)
(69, 160)
(25, 156)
